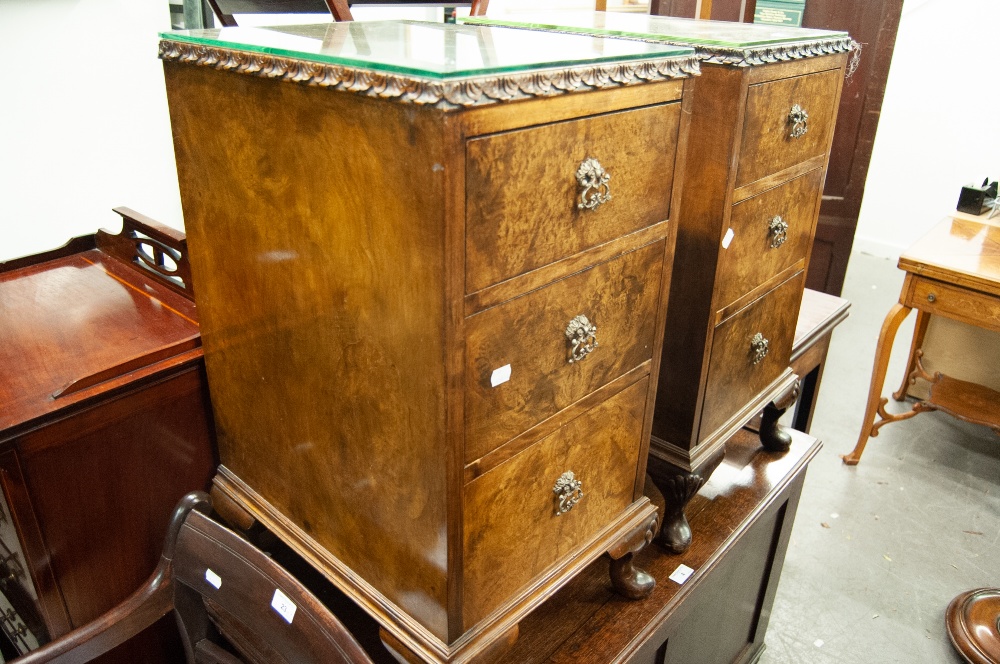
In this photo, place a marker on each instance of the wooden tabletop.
(819, 314)
(959, 250)
(78, 322)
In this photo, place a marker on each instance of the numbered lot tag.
(213, 578)
(283, 606)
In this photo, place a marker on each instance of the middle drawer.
(532, 337)
(771, 232)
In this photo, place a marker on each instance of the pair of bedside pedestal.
(434, 296)
(763, 114)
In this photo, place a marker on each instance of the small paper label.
(728, 239)
(213, 578)
(681, 574)
(283, 606)
(500, 376)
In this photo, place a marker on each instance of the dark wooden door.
(872, 23)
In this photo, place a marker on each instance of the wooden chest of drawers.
(763, 116)
(431, 319)
(744, 241)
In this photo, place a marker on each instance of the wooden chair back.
(340, 10)
(233, 604)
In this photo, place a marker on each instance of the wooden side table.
(953, 271)
(819, 314)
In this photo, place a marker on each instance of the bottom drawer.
(740, 366)
(513, 528)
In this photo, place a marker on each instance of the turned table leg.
(882, 353)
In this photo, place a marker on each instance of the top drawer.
(775, 136)
(523, 194)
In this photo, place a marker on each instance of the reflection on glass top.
(435, 50)
(643, 26)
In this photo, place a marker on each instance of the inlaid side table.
(953, 271)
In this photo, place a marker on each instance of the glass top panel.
(642, 26)
(434, 50)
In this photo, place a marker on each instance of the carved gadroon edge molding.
(749, 56)
(453, 94)
(762, 55)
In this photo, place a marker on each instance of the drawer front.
(770, 143)
(771, 232)
(939, 298)
(513, 530)
(529, 335)
(736, 372)
(523, 195)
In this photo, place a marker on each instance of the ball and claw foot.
(628, 580)
(678, 487)
(773, 437)
(675, 536)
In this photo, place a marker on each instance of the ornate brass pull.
(758, 348)
(799, 119)
(594, 180)
(582, 336)
(777, 228)
(568, 490)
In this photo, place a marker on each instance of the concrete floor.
(878, 550)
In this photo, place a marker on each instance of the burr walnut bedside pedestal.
(953, 271)
(762, 123)
(433, 264)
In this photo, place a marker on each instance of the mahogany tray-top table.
(953, 271)
(432, 265)
(763, 116)
(104, 425)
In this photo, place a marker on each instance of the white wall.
(85, 126)
(940, 125)
(83, 120)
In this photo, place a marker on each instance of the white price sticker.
(213, 578)
(728, 239)
(283, 605)
(500, 376)
(681, 574)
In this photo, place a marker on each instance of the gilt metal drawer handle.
(568, 490)
(582, 336)
(777, 229)
(595, 183)
(799, 119)
(758, 348)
